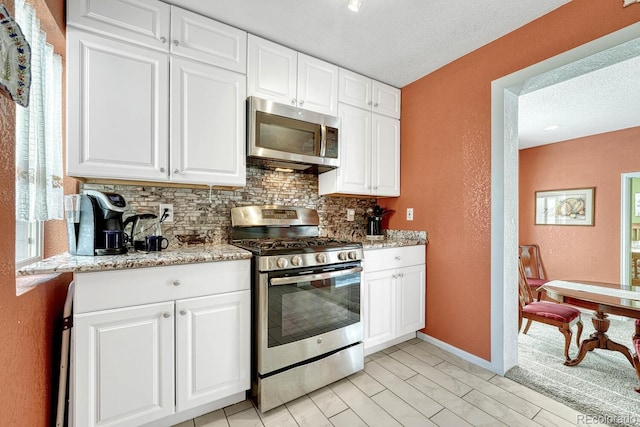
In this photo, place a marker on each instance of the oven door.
(303, 314)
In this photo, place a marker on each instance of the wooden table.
(603, 299)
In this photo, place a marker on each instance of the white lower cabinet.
(393, 295)
(162, 362)
(212, 354)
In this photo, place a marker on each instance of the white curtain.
(39, 192)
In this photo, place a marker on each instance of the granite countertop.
(64, 263)
(391, 243)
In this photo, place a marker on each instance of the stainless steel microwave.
(288, 137)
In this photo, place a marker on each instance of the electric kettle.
(142, 225)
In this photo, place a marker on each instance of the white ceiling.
(393, 41)
(399, 41)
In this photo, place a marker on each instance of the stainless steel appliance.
(307, 330)
(94, 224)
(288, 137)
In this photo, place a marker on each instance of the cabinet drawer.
(389, 258)
(121, 288)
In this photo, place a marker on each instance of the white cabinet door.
(386, 100)
(117, 109)
(123, 361)
(271, 71)
(208, 124)
(140, 21)
(212, 348)
(354, 174)
(317, 85)
(385, 156)
(379, 313)
(197, 37)
(411, 299)
(354, 89)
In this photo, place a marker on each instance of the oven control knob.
(353, 255)
(321, 258)
(281, 262)
(296, 260)
(342, 256)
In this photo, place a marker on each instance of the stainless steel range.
(306, 302)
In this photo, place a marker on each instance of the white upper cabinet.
(317, 85)
(207, 124)
(280, 74)
(363, 92)
(136, 112)
(197, 37)
(140, 21)
(369, 156)
(117, 111)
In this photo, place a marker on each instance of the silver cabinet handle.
(400, 274)
(176, 171)
(163, 40)
(375, 188)
(176, 283)
(166, 315)
(398, 257)
(294, 101)
(183, 312)
(375, 105)
(301, 103)
(162, 170)
(369, 102)
(176, 42)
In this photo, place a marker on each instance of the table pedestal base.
(600, 339)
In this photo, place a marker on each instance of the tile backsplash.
(207, 214)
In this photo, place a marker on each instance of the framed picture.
(565, 207)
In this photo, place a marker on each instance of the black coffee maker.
(94, 223)
(374, 222)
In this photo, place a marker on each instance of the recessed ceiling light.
(354, 5)
(552, 127)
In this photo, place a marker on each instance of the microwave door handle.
(323, 140)
(277, 281)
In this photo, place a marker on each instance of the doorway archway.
(504, 191)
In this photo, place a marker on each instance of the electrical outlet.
(351, 214)
(168, 208)
(409, 214)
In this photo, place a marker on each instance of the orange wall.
(446, 162)
(29, 324)
(587, 253)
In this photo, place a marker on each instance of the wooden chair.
(636, 347)
(562, 316)
(530, 257)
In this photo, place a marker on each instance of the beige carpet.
(602, 385)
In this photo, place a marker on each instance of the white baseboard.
(457, 352)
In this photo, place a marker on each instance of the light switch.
(409, 214)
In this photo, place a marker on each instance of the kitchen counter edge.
(391, 243)
(66, 263)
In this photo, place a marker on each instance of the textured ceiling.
(597, 94)
(399, 41)
(394, 41)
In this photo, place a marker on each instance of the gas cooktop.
(274, 246)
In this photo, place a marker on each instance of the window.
(39, 191)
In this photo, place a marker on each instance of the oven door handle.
(278, 281)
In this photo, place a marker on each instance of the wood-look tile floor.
(411, 384)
